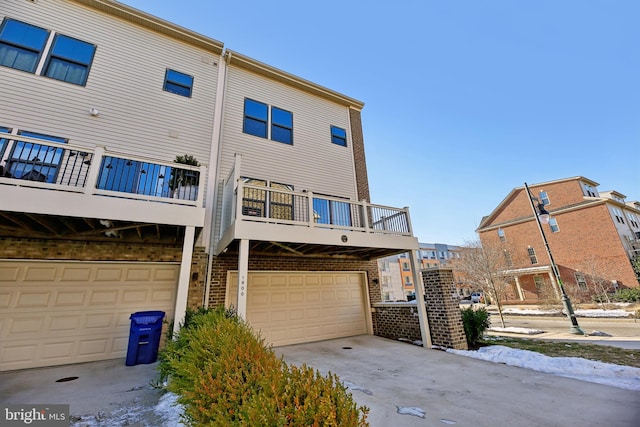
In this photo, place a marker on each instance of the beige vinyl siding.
(312, 162)
(125, 84)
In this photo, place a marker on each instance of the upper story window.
(281, 125)
(501, 235)
(589, 190)
(405, 266)
(532, 255)
(21, 45)
(544, 198)
(633, 219)
(338, 136)
(553, 224)
(618, 214)
(24, 47)
(69, 60)
(178, 83)
(257, 118)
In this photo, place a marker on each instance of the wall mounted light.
(94, 111)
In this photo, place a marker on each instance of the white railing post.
(94, 170)
(239, 194)
(365, 215)
(312, 212)
(201, 181)
(410, 228)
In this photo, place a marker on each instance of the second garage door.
(295, 307)
(60, 312)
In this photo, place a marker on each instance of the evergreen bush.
(225, 375)
(475, 322)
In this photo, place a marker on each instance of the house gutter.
(221, 91)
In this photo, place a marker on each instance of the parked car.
(476, 297)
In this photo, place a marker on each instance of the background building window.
(178, 83)
(544, 198)
(553, 224)
(338, 136)
(69, 60)
(582, 282)
(539, 282)
(21, 45)
(405, 266)
(501, 235)
(532, 255)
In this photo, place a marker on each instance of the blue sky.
(464, 100)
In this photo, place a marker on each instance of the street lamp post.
(542, 216)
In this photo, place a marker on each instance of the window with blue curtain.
(331, 212)
(338, 136)
(178, 83)
(35, 162)
(69, 60)
(256, 116)
(21, 45)
(281, 125)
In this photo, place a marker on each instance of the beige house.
(97, 221)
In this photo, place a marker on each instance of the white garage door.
(59, 312)
(296, 307)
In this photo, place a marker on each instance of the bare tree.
(486, 267)
(594, 268)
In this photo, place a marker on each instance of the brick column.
(443, 309)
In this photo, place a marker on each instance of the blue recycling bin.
(144, 337)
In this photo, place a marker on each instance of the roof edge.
(250, 64)
(151, 22)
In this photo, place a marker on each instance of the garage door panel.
(74, 318)
(315, 306)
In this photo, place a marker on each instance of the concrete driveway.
(382, 374)
(386, 375)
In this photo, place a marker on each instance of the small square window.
(544, 198)
(178, 83)
(69, 60)
(256, 116)
(338, 136)
(281, 125)
(21, 45)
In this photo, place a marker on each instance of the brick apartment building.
(593, 236)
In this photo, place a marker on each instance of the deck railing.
(248, 202)
(35, 162)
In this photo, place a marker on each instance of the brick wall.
(400, 320)
(357, 139)
(443, 308)
(224, 263)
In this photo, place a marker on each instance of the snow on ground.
(625, 377)
(578, 312)
(515, 330)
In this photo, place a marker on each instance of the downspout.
(216, 142)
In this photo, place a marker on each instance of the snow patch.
(625, 377)
(514, 330)
(411, 410)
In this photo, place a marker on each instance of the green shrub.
(303, 397)
(475, 322)
(627, 295)
(225, 375)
